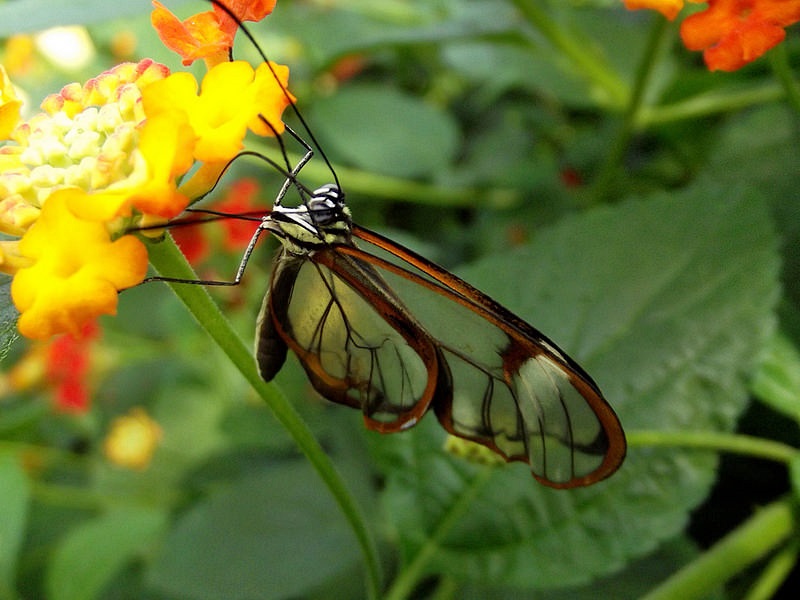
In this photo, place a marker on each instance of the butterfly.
(379, 328)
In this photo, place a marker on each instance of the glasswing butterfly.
(379, 328)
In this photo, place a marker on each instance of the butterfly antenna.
(290, 174)
(286, 93)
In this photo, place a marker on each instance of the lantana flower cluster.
(129, 148)
(731, 33)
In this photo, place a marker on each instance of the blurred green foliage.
(597, 181)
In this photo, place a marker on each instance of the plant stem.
(779, 60)
(167, 259)
(774, 574)
(408, 578)
(748, 543)
(379, 186)
(611, 166)
(710, 103)
(712, 440)
(580, 54)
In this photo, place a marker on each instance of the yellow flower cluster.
(101, 159)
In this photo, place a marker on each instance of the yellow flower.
(234, 98)
(164, 149)
(76, 270)
(86, 138)
(9, 106)
(19, 54)
(103, 158)
(132, 440)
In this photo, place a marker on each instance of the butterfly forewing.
(509, 387)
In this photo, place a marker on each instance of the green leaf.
(14, 498)
(666, 302)
(27, 16)
(633, 582)
(794, 477)
(8, 318)
(765, 132)
(777, 381)
(94, 552)
(406, 137)
(366, 26)
(275, 535)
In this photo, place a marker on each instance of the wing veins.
(531, 342)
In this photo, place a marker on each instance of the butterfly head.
(323, 219)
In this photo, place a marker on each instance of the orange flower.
(245, 10)
(76, 270)
(668, 8)
(207, 35)
(732, 33)
(736, 32)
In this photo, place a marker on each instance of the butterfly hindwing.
(352, 337)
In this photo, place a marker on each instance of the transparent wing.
(353, 339)
(512, 389)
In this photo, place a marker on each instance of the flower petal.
(200, 36)
(233, 97)
(76, 273)
(736, 32)
(9, 106)
(245, 10)
(668, 8)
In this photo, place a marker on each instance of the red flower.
(192, 242)
(68, 366)
(240, 199)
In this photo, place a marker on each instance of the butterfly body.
(378, 328)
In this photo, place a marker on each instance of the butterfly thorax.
(323, 220)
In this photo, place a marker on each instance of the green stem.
(715, 102)
(446, 589)
(612, 164)
(712, 440)
(573, 47)
(748, 543)
(379, 186)
(167, 259)
(90, 499)
(408, 578)
(774, 574)
(779, 60)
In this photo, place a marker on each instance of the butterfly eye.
(326, 205)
